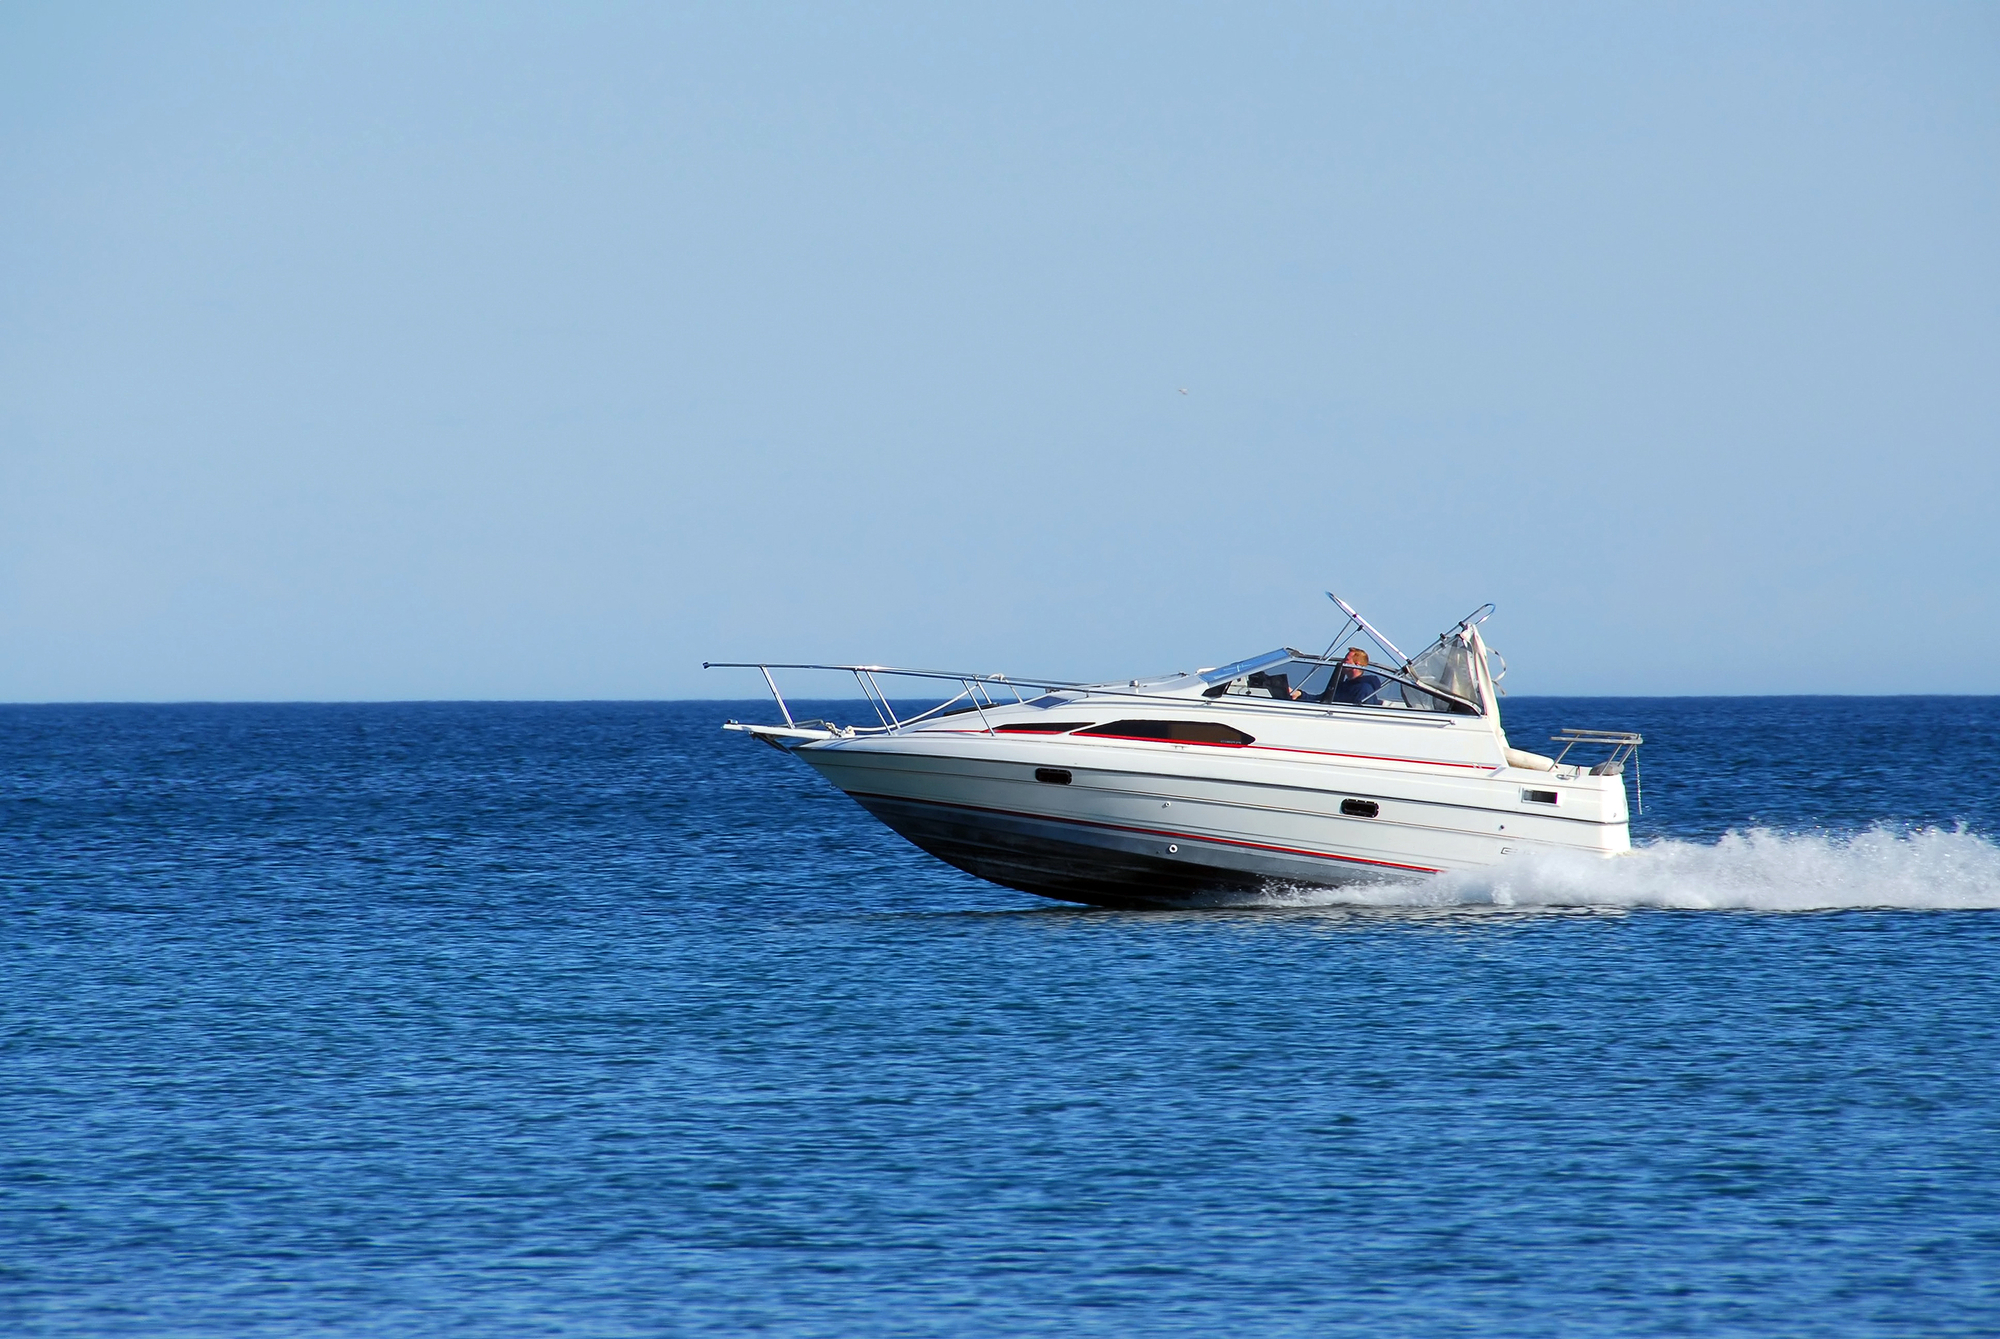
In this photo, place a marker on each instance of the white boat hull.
(1162, 824)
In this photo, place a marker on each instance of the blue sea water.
(589, 1019)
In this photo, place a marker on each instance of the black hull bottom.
(1098, 866)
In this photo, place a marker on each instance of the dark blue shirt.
(1358, 689)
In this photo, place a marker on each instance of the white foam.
(1758, 870)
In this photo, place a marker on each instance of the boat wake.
(1757, 870)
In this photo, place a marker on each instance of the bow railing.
(977, 693)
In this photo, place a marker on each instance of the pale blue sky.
(547, 351)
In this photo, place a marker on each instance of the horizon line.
(663, 701)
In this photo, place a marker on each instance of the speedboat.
(1282, 769)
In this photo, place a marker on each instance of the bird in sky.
(1183, 390)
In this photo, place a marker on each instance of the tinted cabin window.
(1360, 808)
(1539, 796)
(1055, 776)
(1040, 727)
(1175, 732)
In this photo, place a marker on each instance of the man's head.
(1356, 658)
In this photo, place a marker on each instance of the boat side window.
(1174, 732)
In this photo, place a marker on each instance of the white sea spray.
(1753, 870)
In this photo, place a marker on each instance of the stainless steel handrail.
(1621, 742)
(972, 687)
(1624, 746)
(960, 675)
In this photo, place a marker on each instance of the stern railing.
(1623, 746)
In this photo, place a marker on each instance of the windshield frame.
(1240, 669)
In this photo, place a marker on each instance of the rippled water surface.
(590, 1019)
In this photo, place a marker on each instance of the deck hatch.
(1174, 732)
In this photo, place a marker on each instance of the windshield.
(1443, 678)
(1294, 676)
(1447, 665)
(1287, 676)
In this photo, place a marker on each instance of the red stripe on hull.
(1253, 748)
(1153, 832)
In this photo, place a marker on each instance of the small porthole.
(1360, 808)
(1539, 796)
(1055, 776)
